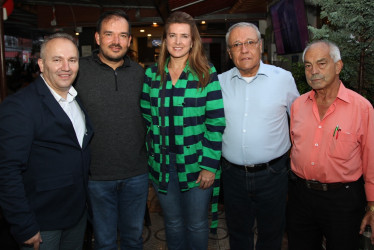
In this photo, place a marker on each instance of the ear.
(97, 38)
(338, 67)
(228, 51)
(41, 65)
(129, 43)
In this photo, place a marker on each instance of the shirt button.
(319, 126)
(316, 144)
(312, 163)
(245, 114)
(244, 130)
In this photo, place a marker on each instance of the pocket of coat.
(54, 183)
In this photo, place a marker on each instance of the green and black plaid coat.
(198, 121)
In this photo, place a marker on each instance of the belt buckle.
(316, 185)
(249, 167)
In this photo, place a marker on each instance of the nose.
(244, 48)
(177, 40)
(116, 39)
(314, 70)
(65, 65)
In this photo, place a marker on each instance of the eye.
(73, 60)
(124, 36)
(322, 64)
(307, 66)
(236, 45)
(171, 35)
(185, 36)
(250, 43)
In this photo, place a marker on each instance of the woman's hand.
(206, 179)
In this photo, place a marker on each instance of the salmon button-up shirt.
(338, 148)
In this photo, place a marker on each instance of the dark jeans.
(260, 197)
(119, 205)
(65, 239)
(335, 214)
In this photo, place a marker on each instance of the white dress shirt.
(256, 114)
(72, 110)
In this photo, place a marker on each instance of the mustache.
(316, 76)
(115, 46)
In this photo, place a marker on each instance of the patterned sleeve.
(145, 97)
(215, 124)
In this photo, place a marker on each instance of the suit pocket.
(54, 183)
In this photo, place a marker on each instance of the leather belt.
(316, 185)
(254, 167)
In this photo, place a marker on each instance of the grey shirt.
(112, 100)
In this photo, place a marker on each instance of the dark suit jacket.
(43, 169)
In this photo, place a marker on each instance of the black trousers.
(6, 239)
(334, 214)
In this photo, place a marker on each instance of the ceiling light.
(142, 31)
(202, 22)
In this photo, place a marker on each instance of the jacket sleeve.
(214, 123)
(16, 136)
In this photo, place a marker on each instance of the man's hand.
(368, 220)
(206, 179)
(34, 241)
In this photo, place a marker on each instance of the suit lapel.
(55, 108)
(89, 130)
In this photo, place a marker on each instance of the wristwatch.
(370, 208)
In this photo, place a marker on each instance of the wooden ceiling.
(34, 16)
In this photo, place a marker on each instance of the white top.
(72, 110)
(256, 114)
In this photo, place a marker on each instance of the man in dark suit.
(44, 158)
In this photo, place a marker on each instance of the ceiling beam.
(162, 7)
(231, 17)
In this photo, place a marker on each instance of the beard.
(116, 58)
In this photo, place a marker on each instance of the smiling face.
(59, 65)
(246, 58)
(320, 69)
(114, 39)
(179, 40)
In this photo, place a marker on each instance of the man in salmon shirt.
(332, 158)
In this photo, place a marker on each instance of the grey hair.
(242, 24)
(55, 36)
(334, 49)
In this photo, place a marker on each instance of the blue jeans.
(67, 239)
(185, 215)
(260, 196)
(118, 205)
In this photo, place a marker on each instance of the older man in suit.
(44, 158)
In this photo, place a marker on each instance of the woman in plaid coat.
(183, 108)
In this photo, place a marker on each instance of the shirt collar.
(342, 94)
(261, 71)
(70, 97)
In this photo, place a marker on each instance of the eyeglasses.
(248, 44)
